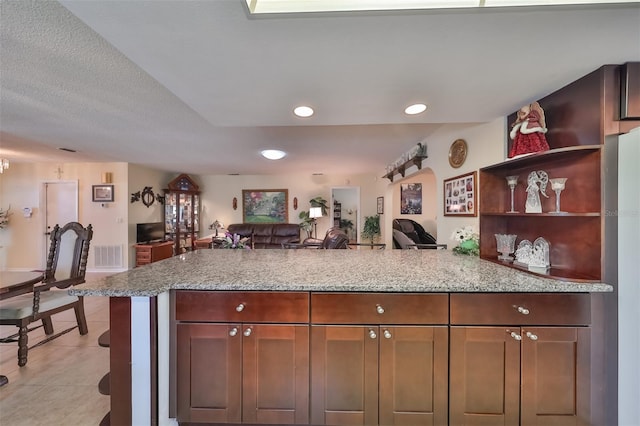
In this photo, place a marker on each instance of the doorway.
(60, 201)
(345, 210)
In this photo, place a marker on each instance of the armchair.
(66, 266)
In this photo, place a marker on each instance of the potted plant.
(346, 224)
(371, 228)
(306, 223)
(320, 202)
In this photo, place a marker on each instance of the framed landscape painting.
(265, 205)
(411, 198)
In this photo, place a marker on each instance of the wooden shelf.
(563, 214)
(555, 273)
(415, 161)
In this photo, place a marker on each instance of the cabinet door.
(276, 374)
(344, 375)
(209, 364)
(484, 376)
(413, 375)
(555, 376)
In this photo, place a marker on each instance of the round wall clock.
(457, 153)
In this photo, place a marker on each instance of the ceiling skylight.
(298, 6)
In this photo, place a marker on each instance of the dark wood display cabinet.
(370, 367)
(182, 213)
(575, 236)
(242, 357)
(533, 371)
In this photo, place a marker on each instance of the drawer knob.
(240, 307)
(372, 334)
(387, 334)
(532, 336)
(233, 331)
(516, 335)
(247, 332)
(523, 310)
(379, 309)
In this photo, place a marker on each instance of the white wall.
(486, 145)
(21, 186)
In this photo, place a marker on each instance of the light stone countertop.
(362, 270)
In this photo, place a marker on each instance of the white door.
(61, 207)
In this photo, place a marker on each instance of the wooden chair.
(66, 266)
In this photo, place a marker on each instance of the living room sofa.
(267, 235)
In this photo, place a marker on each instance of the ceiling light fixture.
(297, 6)
(273, 154)
(415, 109)
(303, 111)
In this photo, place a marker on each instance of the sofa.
(267, 235)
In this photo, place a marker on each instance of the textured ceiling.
(201, 87)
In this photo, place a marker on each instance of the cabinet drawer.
(379, 308)
(219, 306)
(521, 309)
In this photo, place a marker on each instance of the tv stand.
(153, 252)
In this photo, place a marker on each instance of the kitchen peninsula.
(177, 322)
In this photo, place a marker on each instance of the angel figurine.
(528, 131)
(533, 204)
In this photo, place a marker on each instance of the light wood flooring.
(59, 384)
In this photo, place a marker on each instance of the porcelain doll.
(533, 204)
(528, 131)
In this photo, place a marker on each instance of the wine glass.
(506, 245)
(512, 181)
(557, 184)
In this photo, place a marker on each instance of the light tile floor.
(59, 384)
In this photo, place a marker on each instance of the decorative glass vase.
(512, 181)
(506, 245)
(557, 185)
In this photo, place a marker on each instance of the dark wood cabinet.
(243, 373)
(384, 372)
(519, 374)
(241, 358)
(182, 213)
(575, 236)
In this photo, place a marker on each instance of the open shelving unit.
(401, 169)
(574, 236)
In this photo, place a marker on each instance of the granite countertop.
(361, 270)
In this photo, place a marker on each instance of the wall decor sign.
(102, 193)
(265, 205)
(460, 195)
(411, 198)
(380, 203)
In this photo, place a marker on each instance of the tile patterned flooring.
(59, 384)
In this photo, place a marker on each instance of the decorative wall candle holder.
(506, 245)
(512, 181)
(557, 185)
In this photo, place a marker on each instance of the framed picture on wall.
(102, 193)
(380, 202)
(411, 198)
(265, 205)
(460, 195)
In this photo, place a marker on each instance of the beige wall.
(21, 244)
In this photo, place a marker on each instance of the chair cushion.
(402, 240)
(22, 306)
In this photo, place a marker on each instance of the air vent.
(107, 256)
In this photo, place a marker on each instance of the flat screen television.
(149, 232)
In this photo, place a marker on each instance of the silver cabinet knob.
(523, 310)
(240, 307)
(516, 335)
(387, 334)
(379, 309)
(247, 332)
(233, 331)
(372, 334)
(532, 336)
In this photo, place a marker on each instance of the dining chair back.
(66, 266)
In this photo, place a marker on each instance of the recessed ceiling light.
(415, 109)
(303, 111)
(273, 154)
